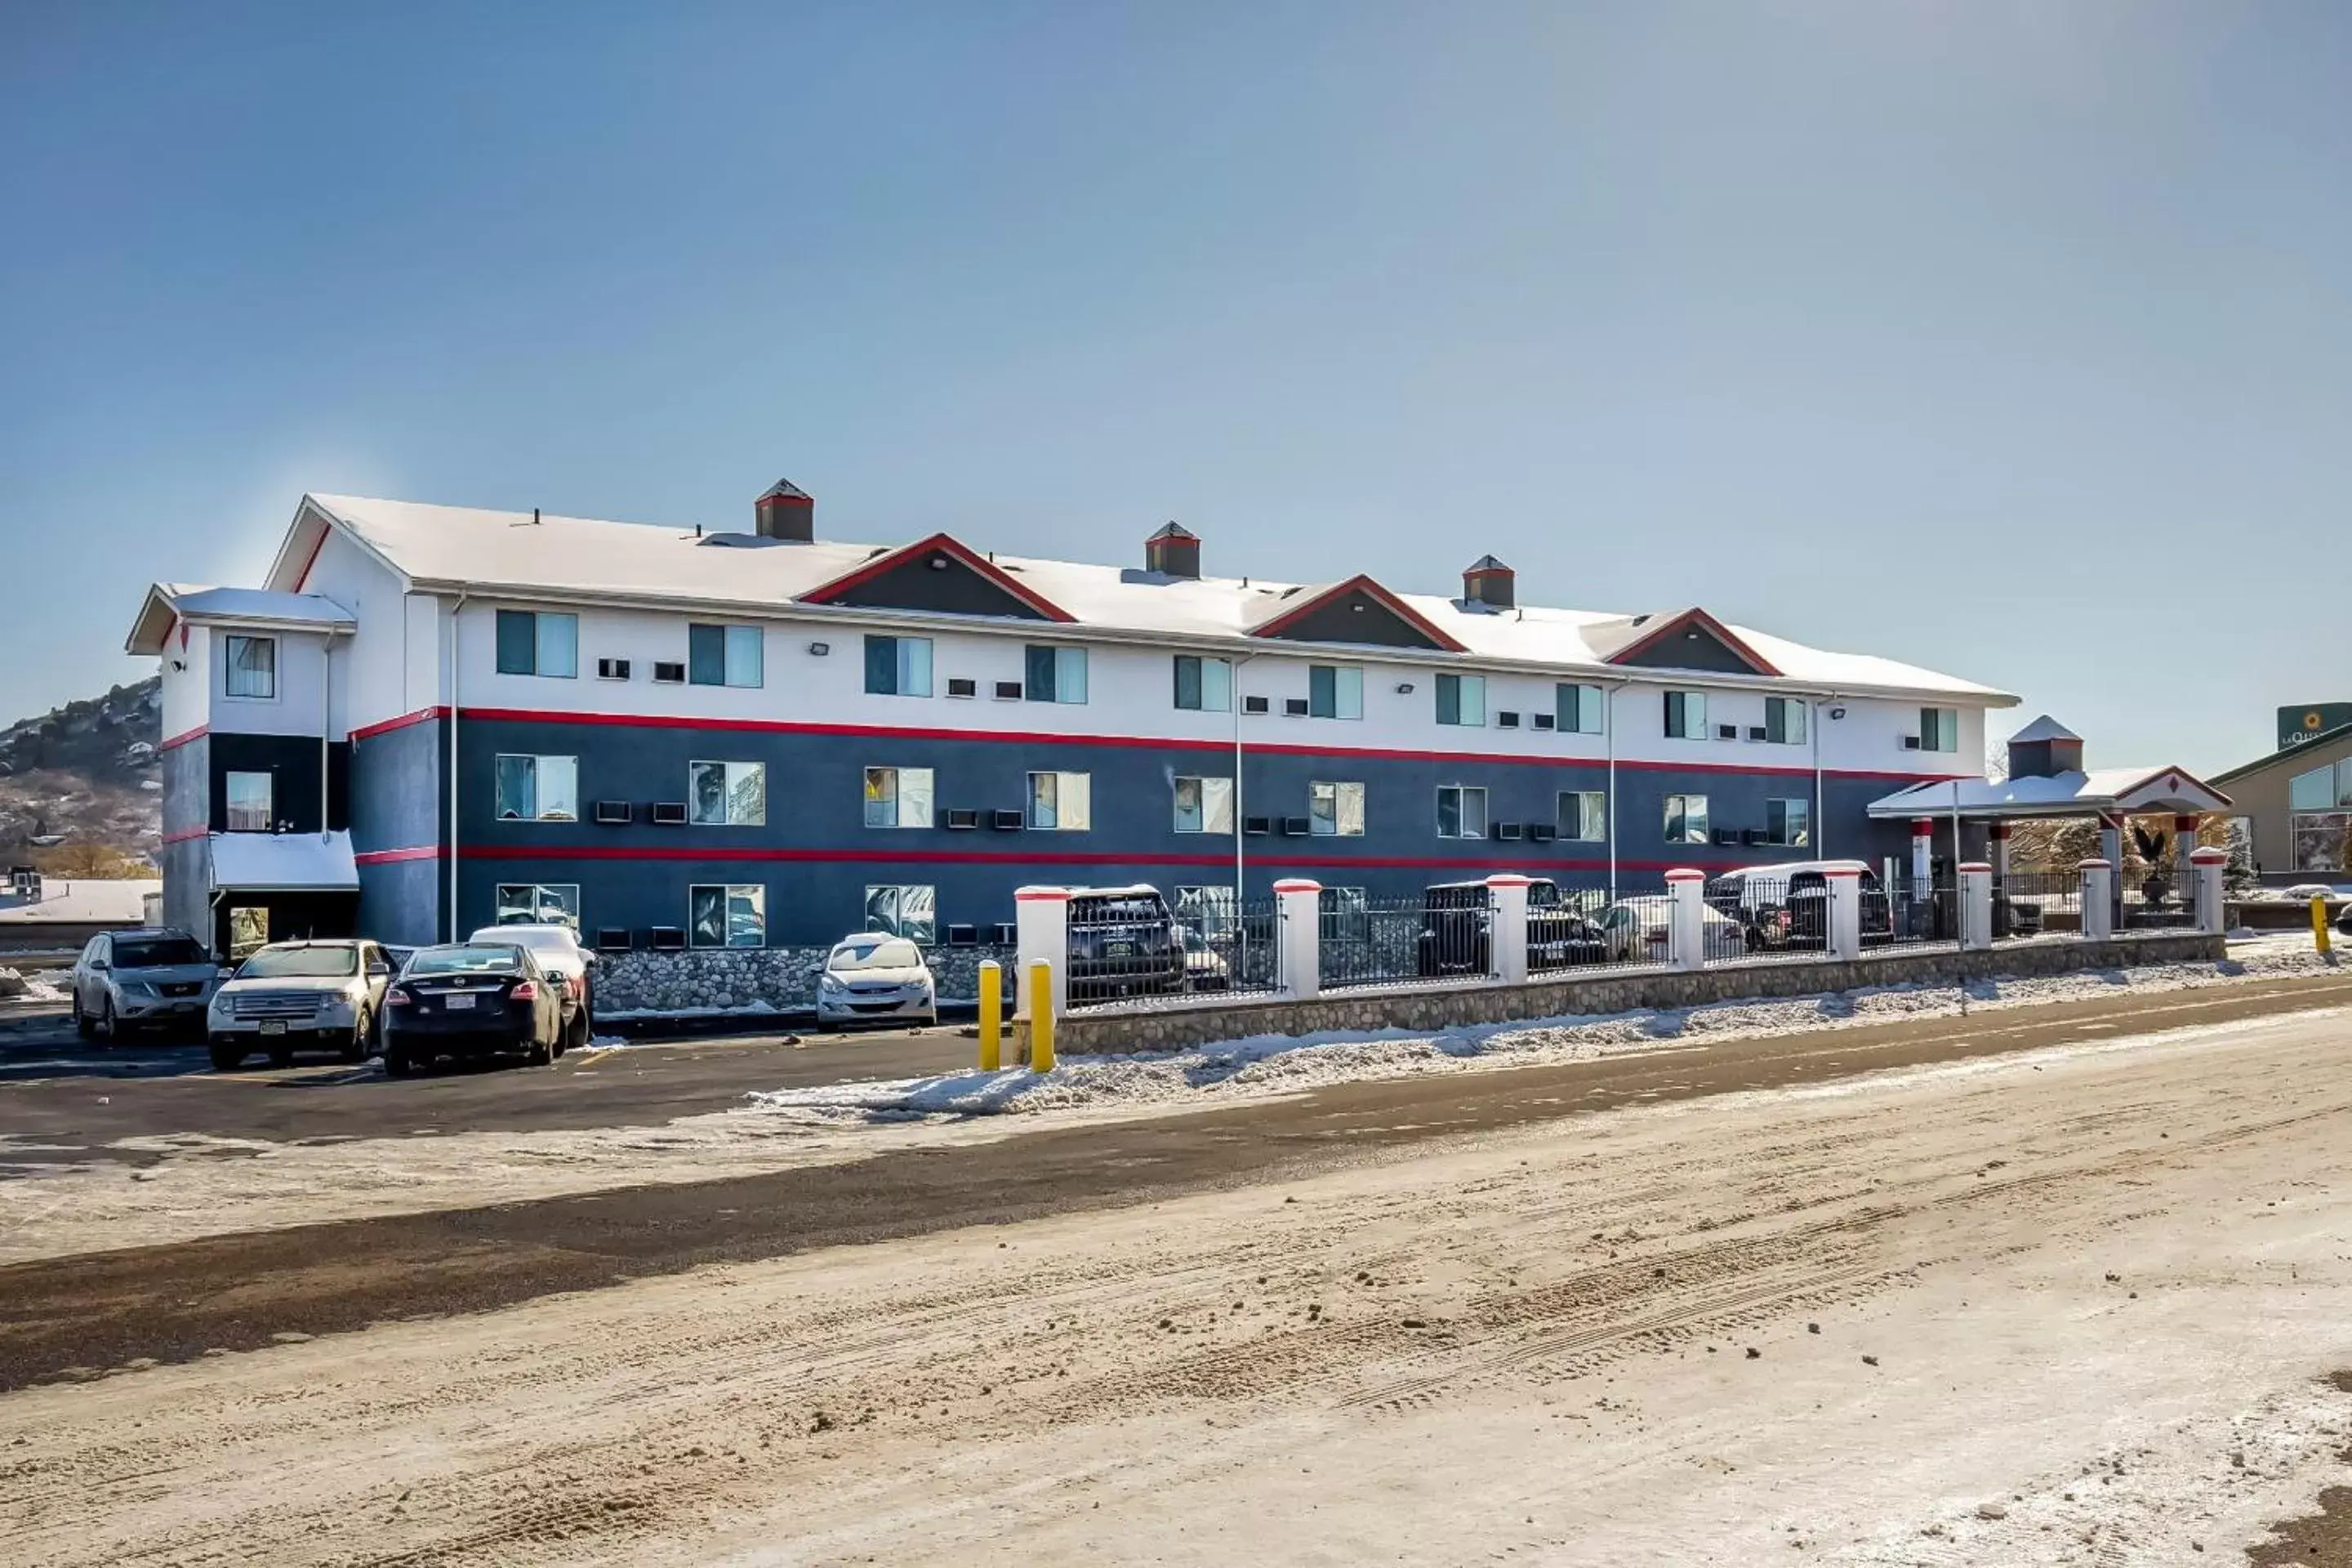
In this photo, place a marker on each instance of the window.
(1461, 811)
(539, 642)
(1335, 810)
(537, 789)
(1205, 806)
(1205, 685)
(2321, 789)
(1584, 814)
(1784, 721)
(1209, 911)
(899, 667)
(1686, 715)
(1579, 709)
(2319, 821)
(730, 914)
(724, 656)
(1061, 802)
(533, 904)
(904, 911)
(250, 804)
(1461, 699)
(1335, 691)
(248, 931)
(1343, 915)
(252, 668)
(727, 794)
(1685, 819)
(1057, 674)
(1788, 821)
(898, 797)
(1939, 729)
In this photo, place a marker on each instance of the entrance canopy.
(2100, 791)
(284, 863)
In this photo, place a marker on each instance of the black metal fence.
(1128, 946)
(1443, 933)
(1919, 911)
(2034, 903)
(2157, 898)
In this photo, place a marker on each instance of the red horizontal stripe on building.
(186, 834)
(422, 716)
(184, 738)
(1048, 857)
(386, 857)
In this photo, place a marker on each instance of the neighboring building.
(2294, 806)
(683, 738)
(54, 915)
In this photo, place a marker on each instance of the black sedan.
(471, 999)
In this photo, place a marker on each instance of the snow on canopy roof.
(488, 550)
(2059, 795)
(283, 862)
(167, 602)
(2045, 729)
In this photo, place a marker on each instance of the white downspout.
(1233, 696)
(455, 680)
(326, 720)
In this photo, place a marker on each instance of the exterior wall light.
(820, 649)
(1404, 688)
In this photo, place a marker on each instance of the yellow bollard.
(1041, 1016)
(992, 1016)
(2319, 936)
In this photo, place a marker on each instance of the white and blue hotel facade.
(682, 737)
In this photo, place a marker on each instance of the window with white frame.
(1335, 809)
(251, 801)
(1685, 819)
(898, 667)
(1061, 803)
(898, 797)
(1784, 720)
(1209, 911)
(1461, 811)
(1939, 729)
(1686, 715)
(727, 794)
(1054, 674)
(1788, 821)
(726, 914)
(539, 642)
(1584, 814)
(539, 903)
(909, 911)
(2319, 819)
(1205, 685)
(724, 655)
(1578, 708)
(1335, 691)
(251, 667)
(1461, 699)
(1205, 806)
(536, 789)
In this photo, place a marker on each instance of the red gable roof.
(945, 544)
(1371, 590)
(1694, 617)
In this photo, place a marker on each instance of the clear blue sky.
(2011, 339)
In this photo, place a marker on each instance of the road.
(2031, 1286)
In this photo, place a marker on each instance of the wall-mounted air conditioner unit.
(1542, 831)
(669, 813)
(1256, 705)
(1257, 825)
(1506, 830)
(1506, 719)
(1007, 935)
(614, 813)
(667, 939)
(963, 817)
(613, 939)
(1296, 706)
(1008, 691)
(1006, 821)
(1910, 743)
(1296, 828)
(1727, 732)
(1759, 732)
(1727, 836)
(611, 669)
(962, 686)
(963, 936)
(669, 673)
(1754, 836)
(1546, 721)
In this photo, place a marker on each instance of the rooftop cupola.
(784, 511)
(1488, 582)
(2044, 750)
(1173, 552)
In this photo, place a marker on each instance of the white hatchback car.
(876, 978)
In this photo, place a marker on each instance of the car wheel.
(227, 1058)
(82, 1024)
(541, 1053)
(357, 1050)
(107, 1030)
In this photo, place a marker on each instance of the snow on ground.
(1282, 1063)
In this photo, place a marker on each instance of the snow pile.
(1277, 1064)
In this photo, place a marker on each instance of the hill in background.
(84, 778)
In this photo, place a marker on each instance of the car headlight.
(831, 983)
(220, 1004)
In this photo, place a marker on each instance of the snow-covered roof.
(167, 603)
(2045, 729)
(283, 862)
(527, 554)
(83, 900)
(2074, 794)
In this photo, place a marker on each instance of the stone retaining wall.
(783, 978)
(1110, 1032)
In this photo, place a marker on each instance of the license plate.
(274, 1027)
(462, 1001)
(1119, 949)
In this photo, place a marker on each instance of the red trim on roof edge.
(312, 559)
(1756, 661)
(384, 727)
(825, 593)
(386, 857)
(1388, 600)
(197, 733)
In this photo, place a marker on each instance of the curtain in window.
(517, 791)
(252, 666)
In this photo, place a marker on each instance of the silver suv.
(324, 994)
(128, 980)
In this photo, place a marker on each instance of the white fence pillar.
(1997, 846)
(2099, 900)
(1923, 854)
(1686, 919)
(1845, 913)
(1976, 904)
(1041, 934)
(2212, 916)
(1299, 938)
(1507, 933)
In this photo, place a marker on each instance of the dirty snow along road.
(2095, 1286)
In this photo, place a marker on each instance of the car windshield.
(886, 952)
(157, 952)
(300, 964)
(471, 959)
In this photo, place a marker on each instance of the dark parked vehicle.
(1787, 906)
(1123, 942)
(471, 999)
(1456, 926)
